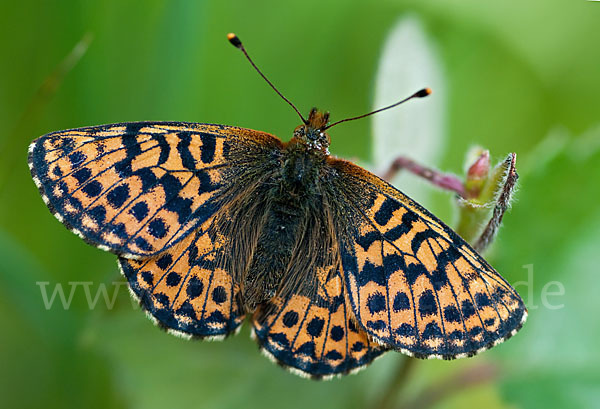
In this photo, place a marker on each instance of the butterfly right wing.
(136, 189)
(187, 289)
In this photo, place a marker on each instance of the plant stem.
(398, 381)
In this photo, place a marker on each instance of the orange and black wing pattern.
(136, 189)
(157, 194)
(414, 284)
(186, 289)
(315, 336)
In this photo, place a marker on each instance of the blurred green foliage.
(522, 77)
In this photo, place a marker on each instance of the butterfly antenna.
(236, 42)
(419, 94)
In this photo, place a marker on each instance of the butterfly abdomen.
(272, 254)
(293, 193)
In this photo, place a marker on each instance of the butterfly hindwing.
(413, 283)
(136, 189)
(314, 336)
(185, 288)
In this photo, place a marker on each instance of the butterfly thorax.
(300, 170)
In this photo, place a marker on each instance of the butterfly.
(214, 224)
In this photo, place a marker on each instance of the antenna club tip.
(234, 40)
(423, 93)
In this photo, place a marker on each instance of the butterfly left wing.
(138, 188)
(413, 283)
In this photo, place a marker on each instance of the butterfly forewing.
(138, 188)
(413, 283)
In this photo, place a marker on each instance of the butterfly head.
(311, 133)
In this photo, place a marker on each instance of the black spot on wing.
(148, 277)
(371, 272)
(117, 197)
(334, 355)
(216, 317)
(206, 184)
(208, 148)
(414, 271)
(401, 302)
(98, 214)
(377, 325)
(82, 174)
(164, 261)
(131, 128)
(406, 330)
(147, 177)
(157, 228)
(187, 310)
(181, 206)
(219, 295)
(290, 319)
(226, 150)
(427, 303)
(439, 278)
(308, 349)
(376, 303)
(450, 255)
(420, 237)
(194, 288)
(139, 211)
(171, 185)
(432, 331)
(482, 300)
(451, 314)
(57, 172)
(315, 326)
(183, 149)
(279, 339)
(129, 140)
(164, 147)
(337, 333)
(366, 240)
(76, 158)
(92, 189)
(467, 308)
(406, 226)
(352, 326)
(173, 279)
(143, 244)
(386, 211)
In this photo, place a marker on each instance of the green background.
(521, 77)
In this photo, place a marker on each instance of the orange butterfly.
(214, 223)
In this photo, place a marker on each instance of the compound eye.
(299, 131)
